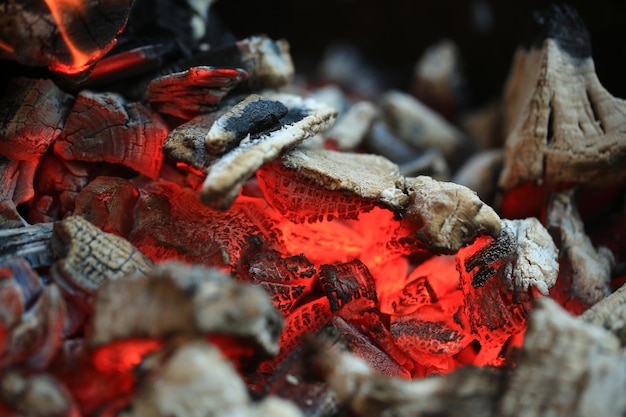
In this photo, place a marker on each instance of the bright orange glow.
(122, 356)
(80, 59)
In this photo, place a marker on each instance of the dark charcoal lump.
(564, 25)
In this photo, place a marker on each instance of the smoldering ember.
(191, 227)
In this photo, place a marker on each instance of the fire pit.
(191, 226)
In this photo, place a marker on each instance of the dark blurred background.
(393, 34)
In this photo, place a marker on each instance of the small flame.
(80, 59)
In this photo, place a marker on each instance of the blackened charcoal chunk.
(349, 283)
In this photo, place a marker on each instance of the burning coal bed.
(188, 229)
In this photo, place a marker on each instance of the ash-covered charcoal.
(195, 379)
(287, 280)
(104, 127)
(204, 138)
(444, 216)
(438, 80)
(422, 127)
(88, 257)
(368, 393)
(431, 163)
(68, 38)
(226, 176)
(10, 218)
(352, 126)
(180, 299)
(192, 92)
(32, 317)
(609, 313)
(311, 185)
(31, 242)
(32, 115)
(35, 394)
(562, 126)
(380, 140)
(480, 173)
(349, 287)
(590, 267)
(501, 277)
(567, 368)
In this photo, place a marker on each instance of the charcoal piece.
(422, 127)
(10, 218)
(430, 163)
(17, 180)
(171, 223)
(105, 127)
(192, 92)
(414, 294)
(36, 394)
(579, 367)
(65, 38)
(350, 287)
(362, 347)
(590, 267)
(57, 182)
(108, 203)
(380, 140)
(179, 299)
(352, 126)
(88, 257)
(31, 243)
(443, 216)
(196, 379)
(226, 175)
(287, 280)
(609, 313)
(526, 267)
(34, 340)
(204, 138)
(32, 115)
(367, 176)
(480, 173)
(562, 127)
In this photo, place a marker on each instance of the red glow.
(122, 356)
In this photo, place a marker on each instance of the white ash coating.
(537, 256)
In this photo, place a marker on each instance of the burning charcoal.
(57, 183)
(501, 277)
(349, 287)
(192, 92)
(32, 114)
(351, 127)
(104, 127)
(422, 127)
(108, 203)
(31, 243)
(446, 216)
(590, 268)
(171, 223)
(287, 280)
(480, 173)
(580, 368)
(16, 180)
(196, 380)
(484, 125)
(36, 395)
(610, 313)
(226, 175)
(65, 37)
(89, 257)
(368, 393)
(293, 188)
(438, 80)
(31, 318)
(202, 139)
(562, 126)
(179, 299)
